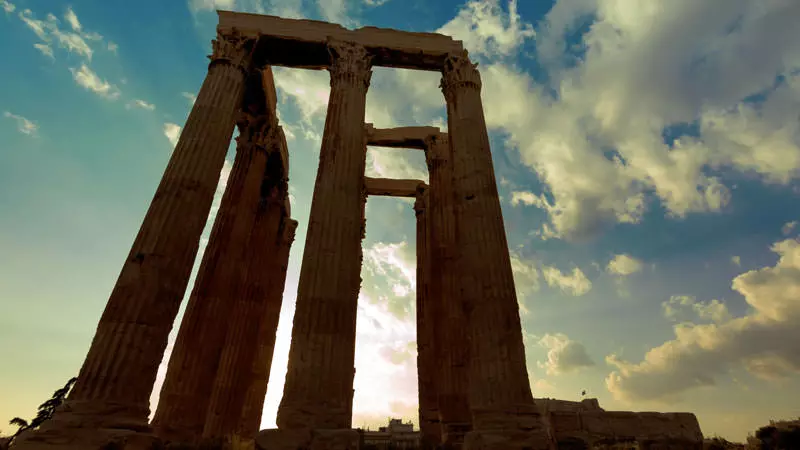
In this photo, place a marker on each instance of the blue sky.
(647, 153)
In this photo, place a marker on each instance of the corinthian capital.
(289, 230)
(458, 73)
(232, 48)
(421, 202)
(436, 146)
(349, 62)
(257, 133)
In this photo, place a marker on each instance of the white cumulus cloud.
(574, 283)
(598, 146)
(172, 131)
(564, 355)
(764, 341)
(211, 5)
(487, 29)
(624, 265)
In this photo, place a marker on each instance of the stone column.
(451, 334)
(504, 416)
(241, 344)
(250, 420)
(427, 321)
(187, 388)
(117, 376)
(319, 382)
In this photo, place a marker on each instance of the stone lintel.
(400, 137)
(392, 187)
(303, 43)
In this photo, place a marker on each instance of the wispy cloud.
(7, 6)
(24, 125)
(190, 97)
(72, 19)
(74, 39)
(89, 80)
(46, 49)
(49, 32)
(141, 104)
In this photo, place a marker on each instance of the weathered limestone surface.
(649, 429)
(319, 382)
(305, 439)
(303, 43)
(503, 412)
(188, 386)
(259, 376)
(451, 334)
(392, 187)
(400, 137)
(241, 343)
(427, 321)
(115, 382)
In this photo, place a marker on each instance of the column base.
(85, 439)
(507, 440)
(82, 425)
(453, 435)
(277, 439)
(520, 427)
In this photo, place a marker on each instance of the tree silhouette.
(45, 411)
(18, 422)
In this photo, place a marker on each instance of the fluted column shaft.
(319, 381)
(233, 376)
(120, 368)
(427, 321)
(452, 327)
(274, 281)
(192, 368)
(500, 395)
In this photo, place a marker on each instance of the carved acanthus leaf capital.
(458, 73)
(436, 146)
(232, 48)
(289, 231)
(257, 133)
(421, 202)
(349, 62)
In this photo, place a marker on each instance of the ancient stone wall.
(648, 429)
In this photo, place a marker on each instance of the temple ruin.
(474, 391)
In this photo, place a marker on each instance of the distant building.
(395, 436)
